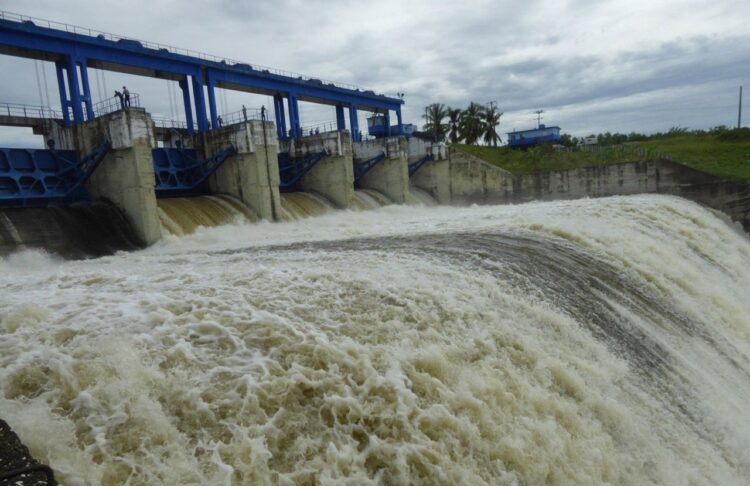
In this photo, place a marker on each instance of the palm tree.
(491, 120)
(434, 115)
(454, 119)
(471, 124)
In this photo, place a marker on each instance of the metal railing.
(110, 105)
(28, 111)
(322, 127)
(166, 123)
(240, 116)
(73, 29)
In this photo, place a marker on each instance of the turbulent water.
(76, 231)
(579, 342)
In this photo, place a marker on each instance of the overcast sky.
(592, 66)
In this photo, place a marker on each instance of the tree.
(491, 119)
(471, 125)
(434, 115)
(454, 119)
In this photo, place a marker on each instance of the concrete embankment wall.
(647, 177)
(465, 179)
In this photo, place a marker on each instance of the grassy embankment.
(726, 156)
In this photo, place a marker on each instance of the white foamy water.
(579, 342)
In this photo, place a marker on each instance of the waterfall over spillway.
(77, 231)
(570, 342)
(183, 215)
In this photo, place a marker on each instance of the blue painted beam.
(354, 123)
(340, 118)
(63, 93)
(400, 121)
(294, 120)
(188, 106)
(28, 40)
(278, 105)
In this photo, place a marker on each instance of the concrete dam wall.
(465, 179)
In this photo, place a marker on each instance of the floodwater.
(572, 342)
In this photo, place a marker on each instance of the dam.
(247, 302)
(110, 156)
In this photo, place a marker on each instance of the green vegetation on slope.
(724, 155)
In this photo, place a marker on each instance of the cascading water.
(574, 342)
(420, 197)
(77, 231)
(365, 199)
(299, 205)
(183, 215)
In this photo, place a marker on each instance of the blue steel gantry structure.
(75, 49)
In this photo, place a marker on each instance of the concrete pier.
(390, 176)
(252, 173)
(434, 176)
(125, 176)
(333, 176)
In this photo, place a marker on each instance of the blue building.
(530, 138)
(378, 127)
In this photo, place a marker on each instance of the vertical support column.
(200, 102)
(59, 68)
(354, 123)
(387, 121)
(278, 106)
(90, 115)
(294, 116)
(400, 121)
(188, 106)
(212, 100)
(340, 118)
(73, 87)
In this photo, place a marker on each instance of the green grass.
(729, 159)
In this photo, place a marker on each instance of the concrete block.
(252, 173)
(126, 174)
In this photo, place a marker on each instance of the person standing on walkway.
(126, 95)
(122, 102)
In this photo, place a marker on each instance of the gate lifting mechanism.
(291, 171)
(178, 171)
(362, 168)
(36, 177)
(414, 166)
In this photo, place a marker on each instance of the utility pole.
(539, 116)
(739, 113)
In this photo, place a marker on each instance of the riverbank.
(721, 155)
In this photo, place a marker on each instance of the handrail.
(110, 105)
(239, 116)
(28, 111)
(73, 29)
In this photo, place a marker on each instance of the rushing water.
(578, 342)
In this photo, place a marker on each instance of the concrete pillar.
(252, 173)
(390, 176)
(435, 175)
(332, 176)
(126, 174)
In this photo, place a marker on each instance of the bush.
(735, 135)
